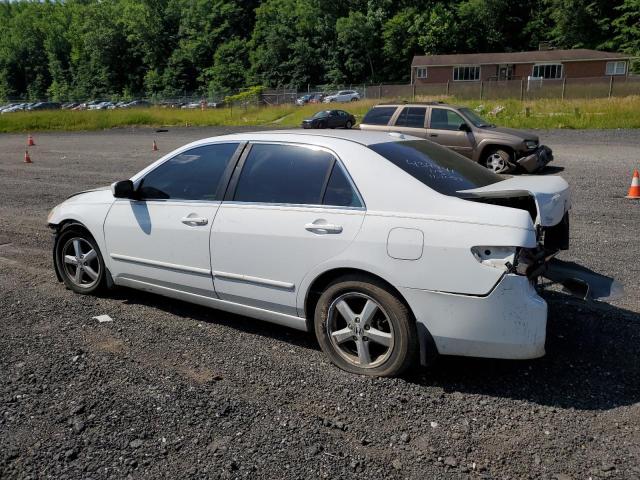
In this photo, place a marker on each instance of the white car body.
(343, 96)
(261, 260)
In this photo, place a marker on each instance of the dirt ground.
(171, 390)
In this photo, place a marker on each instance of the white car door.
(163, 238)
(288, 209)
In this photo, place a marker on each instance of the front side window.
(616, 68)
(191, 175)
(443, 119)
(468, 73)
(412, 117)
(437, 167)
(283, 174)
(379, 115)
(421, 72)
(547, 70)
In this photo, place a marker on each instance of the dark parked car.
(45, 106)
(330, 119)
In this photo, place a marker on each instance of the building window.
(421, 72)
(547, 70)
(616, 68)
(466, 73)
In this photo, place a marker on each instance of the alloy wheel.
(496, 163)
(360, 330)
(80, 262)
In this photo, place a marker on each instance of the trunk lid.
(551, 195)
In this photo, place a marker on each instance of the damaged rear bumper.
(536, 160)
(581, 281)
(510, 322)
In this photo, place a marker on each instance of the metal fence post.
(564, 86)
(413, 92)
(447, 90)
(521, 89)
(379, 91)
(481, 89)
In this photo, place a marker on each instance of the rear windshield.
(437, 167)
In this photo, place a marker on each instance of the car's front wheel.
(348, 125)
(79, 261)
(498, 160)
(364, 328)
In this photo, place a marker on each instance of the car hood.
(551, 195)
(84, 192)
(520, 134)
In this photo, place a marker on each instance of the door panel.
(444, 128)
(162, 242)
(261, 253)
(411, 120)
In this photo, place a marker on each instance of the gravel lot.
(171, 390)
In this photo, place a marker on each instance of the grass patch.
(537, 114)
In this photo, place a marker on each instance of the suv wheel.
(498, 160)
(364, 328)
(354, 99)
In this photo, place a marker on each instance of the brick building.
(545, 64)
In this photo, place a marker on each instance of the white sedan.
(391, 248)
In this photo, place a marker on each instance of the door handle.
(194, 220)
(323, 227)
(433, 134)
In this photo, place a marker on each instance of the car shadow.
(592, 362)
(550, 170)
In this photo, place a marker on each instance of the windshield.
(322, 114)
(437, 167)
(474, 118)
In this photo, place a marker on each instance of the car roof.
(362, 137)
(416, 104)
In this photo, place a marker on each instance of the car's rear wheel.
(498, 160)
(354, 99)
(364, 328)
(348, 125)
(80, 262)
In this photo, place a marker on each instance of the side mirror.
(464, 127)
(123, 189)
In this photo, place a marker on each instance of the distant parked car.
(343, 96)
(191, 105)
(330, 119)
(69, 105)
(463, 131)
(44, 106)
(137, 104)
(304, 99)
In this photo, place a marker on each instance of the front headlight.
(51, 213)
(531, 144)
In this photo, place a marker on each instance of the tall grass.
(544, 113)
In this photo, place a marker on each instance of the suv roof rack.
(405, 102)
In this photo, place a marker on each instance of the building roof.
(575, 55)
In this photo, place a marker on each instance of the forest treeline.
(88, 49)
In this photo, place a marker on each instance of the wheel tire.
(65, 246)
(348, 125)
(391, 314)
(354, 99)
(498, 161)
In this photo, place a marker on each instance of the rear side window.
(191, 175)
(437, 167)
(412, 117)
(339, 191)
(283, 174)
(379, 116)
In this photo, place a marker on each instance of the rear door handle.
(194, 220)
(323, 228)
(433, 134)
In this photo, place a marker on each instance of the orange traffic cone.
(155, 146)
(30, 142)
(634, 189)
(27, 158)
